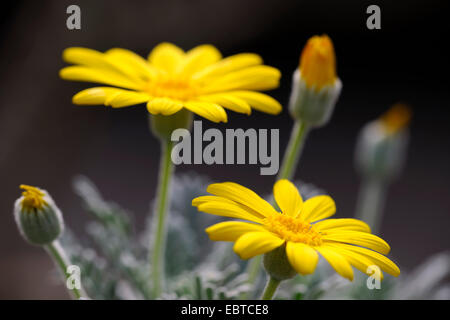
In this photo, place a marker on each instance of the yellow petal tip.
(318, 62)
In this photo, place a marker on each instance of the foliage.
(113, 257)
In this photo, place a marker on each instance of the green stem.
(270, 289)
(287, 171)
(294, 150)
(59, 256)
(158, 253)
(370, 204)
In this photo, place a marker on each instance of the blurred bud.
(382, 144)
(38, 218)
(277, 264)
(315, 85)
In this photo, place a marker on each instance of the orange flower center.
(171, 86)
(292, 229)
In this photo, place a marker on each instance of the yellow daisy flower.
(301, 226)
(199, 80)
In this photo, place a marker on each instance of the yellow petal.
(100, 61)
(223, 209)
(317, 208)
(332, 225)
(93, 96)
(384, 263)
(203, 199)
(363, 239)
(318, 62)
(108, 96)
(302, 257)
(242, 195)
(337, 261)
(287, 197)
(166, 56)
(357, 260)
(259, 101)
(85, 57)
(253, 78)
(207, 110)
(396, 118)
(164, 106)
(134, 62)
(228, 101)
(254, 243)
(87, 74)
(227, 65)
(232, 230)
(127, 70)
(124, 98)
(198, 58)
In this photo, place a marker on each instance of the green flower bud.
(315, 85)
(163, 126)
(312, 106)
(38, 218)
(382, 144)
(277, 265)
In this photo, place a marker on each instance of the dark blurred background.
(45, 140)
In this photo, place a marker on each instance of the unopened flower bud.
(315, 85)
(277, 265)
(382, 144)
(38, 218)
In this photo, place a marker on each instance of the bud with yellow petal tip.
(382, 143)
(380, 156)
(396, 118)
(38, 218)
(315, 85)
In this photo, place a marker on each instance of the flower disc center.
(171, 87)
(292, 229)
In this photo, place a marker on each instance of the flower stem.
(294, 150)
(287, 171)
(270, 289)
(370, 203)
(56, 251)
(158, 253)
